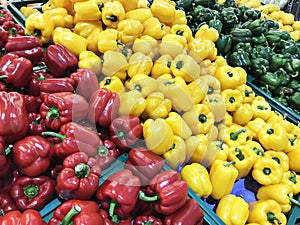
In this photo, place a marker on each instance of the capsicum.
(107, 153)
(140, 220)
(126, 32)
(228, 76)
(176, 155)
(243, 114)
(261, 108)
(6, 204)
(60, 17)
(178, 125)
(172, 44)
(237, 135)
(198, 90)
(55, 85)
(139, 63)
(28, 217)
(87, 11)
(219, 149)
(113, 84)
(280, 157)
(196, 148)
(293, 159)
(112, 14)
(293, 180)
(36, 125)
(233, 99)
(157, 106)
(142, 83)
(89, 60)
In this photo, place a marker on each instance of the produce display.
(141, 112)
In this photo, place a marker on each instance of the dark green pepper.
(216, 23)
(277, 61)
(294, 84)
(257, 27)
(259, 40)
(239, 58)
(244, 46)
(228, 18)
(283, 76)
(205, 3)
(294, 100)
(262, 52)
(229, 3)
(284, 47)
(271, 24)
(184, 4)
(251, 14)
(202, 14)
(259, 66)
(241, 35)
(283, 90)
(269, 79)
(224, 43)
(283, 99)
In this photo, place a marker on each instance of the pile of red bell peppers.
(57, 137)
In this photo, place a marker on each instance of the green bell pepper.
(243, 46)
(283, 90)
(250, 14)
(294, 84)
(259, 40)
(277, 61)
(228, 18)
(224, 43)
(216, 23)
(257, 27)
(241, 35)
(202, 14)
(283, 76)
(239, 58)
(259, 66)
(270, 79)
(262, 52)
(294, 100)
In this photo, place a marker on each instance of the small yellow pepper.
(139, 63)
(228, 77)
(196, 148)
(261, 108)
(180, 18)
(107, 40)
(161, 66)
(236, 135)
(233, 99)
(243, 114)
(172, 44)
(87, 11)
(280, 157)
(153, 27)
(89, 60)
(92, 40)
(85, 28)
(248, 93)
(113, 84)
(216, 105)
(256, 148)
(129, 30)
(175, 156)
(198, 90)
(157, 106)
(147, 45)
(183, 30)
(202, 49)
(254, 126)
(178, 125)
(219, 149)
(129, 5)
(292, 179)
(142, 83)
(112, 14)
(60, 17)
(132, 103)
(163, 10)
(140, 14)
(207, 33)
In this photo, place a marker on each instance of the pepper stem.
(179, 64)
(272, 218)
(76, 209)
(102, 151)
(266, 170)
(82, 170)
(234, 135)
(3, 76)
(147, 223)
(220, 146)
(293, 178)
(259, 151)
(7, 150)
(270, 131)
(202, 118)
(53, 134)
(138, 87)
(292, 141)
(121, 134)
(2, 213)
(53, 112)
(294, 201)
(229, 164)
(107, 81)
(179, 32)
(146, 198)
(112, 18)
(111, 211)
(31, 191)
(240, 154)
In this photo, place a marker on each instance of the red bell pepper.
(167, 192)
(63, 107)
(3, 37)
(125, 131)
(119, 194)
(5, 162)
(15, 70)
(32, 192)
(5, 16)
(189, 214)
(33, 103)
(6, 204)
(75, 138)
(77, 212)
(144, 164)
(33, 87)
(79, 177)
(106, 154)
(20, 43)
(14, 29)
(104, 107)
(86, 82)
(28, 217)
(60, 61)
(14, 119)
(36, 125)
(142, 220)
(107, 221)
(35, 55)
(54, 85)
(32, 155)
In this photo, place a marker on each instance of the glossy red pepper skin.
(141, 220)
(32, 155)
(14, 29)
(63, 107)
(20, 43)
(15, 70)
(79, 177)
(107, 153)
(33, 87)
(60, 61)
(119, 194)
(32, 192)
(104, 106)
(28, 217)
(169, 191)
(32, 103)
(54, 85)
(107, 220)
(125, 131)
(14, 119)
(85, 78)
(3, 37)
(6, 204)
(189, 214)
(5, 161)
(35, 55)
(36, 125)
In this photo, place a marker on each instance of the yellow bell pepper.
(273, 137)
(157, 106)
(183, 30)
(85, 28)
(139, 63)
(142, 83)
(153, 27)
(177, 91)
(200, 119)
(228, 76)
(132, 103)
(202, 49)
(294, 157)
(232, 210)
(89, 60)
(175, 156)
(66, 4)
(254, 126)
(60, 17)
(197, 178)
(222, 176)
(243, 114)
(180, 18)
(112, 13)
(247, 92)
(277, 117)
(26, 11)
(163, 10)
(129, 5)
(214, 86)
(147, 45)
(216, 105)
(267, 171)
(107, 40)
(261, 108)
(87, 11)
(113, 84)
(39, 25)
(213, 134)
(266, 212)
(236, 135)
(292, 179)
(140, 14)
(73, 42)
(114, 64)
(178, 125)
(158, 135)
(293, 142)
(198, 90)
(196, 148)
(256, 148)
(92, 40)
(219, 149)
(129, 30)
(207, 33)
(172, 44)
(280, 157)
(233, 99)
(161, 66)
(186, 67)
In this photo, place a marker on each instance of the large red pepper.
(15, 70)
(14, 119)
(125, 131)
(54, 85)
(28, 217)
(63, 107)
(32, 192)
(189, 214)
(3, 37)
(104, 107)
(167, 192)
(144, 164)
(151, 220)
(36, 125)
(119, 194)
(86, 82)
(79, 177)
(33, 87)
(106, 153)
(77, 212)
(107, 220)
(6, 204)
(75, 138)
(32, 155)
(5, 162)
(60, 61)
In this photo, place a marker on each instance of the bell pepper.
(142, 83)
(112, 14)
(114, 64)
(60, 17)
(103, 107)
(107, 40)
(178, 125)
(233, 99)
(280, 157)
(140, 220)
(108, 221)
(197, 178)
(60, 61)
(6, 204)
(33, 87)
(261, 108)
(243, 114)
(76, 212)
(196, 148)
(183, 30)
(267, 171)
(293, 157)
(163, 10)
(15, 70)
(132, 103)
(254, 126)
(293, 180)
(113, 84)
(28, 217)
(180, 18)
(224, 43)
(232, 210)
(6, 163)
(158, 135)
(228, 76)
(87, 11)
(157, 106)
(125, 131)
(85, 28)
(198, 90)
(129, 30)
(139, 63)
(3, 37)
(36, 125)
(216, 105)
(270, 79)
(144, 164)
(32, 155)
(277, 117)
(294, 99)
(5, 16)
(161, 66)
(119, 194)
(92, 40)
(79, 177)
(176, 155)
(147, 45)
(256, 148)
(202, 49)
(247, 92)
(154, 28)
(14, 29)
(219, 149)
(222, 176)
(63, 107)
(14, 123)
(32, 192)
(205, 32)
(106, 154)
(140, 13)
(166, 191)
(172, 44)
(55, 85)
(32, 103)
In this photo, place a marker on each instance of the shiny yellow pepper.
(216, 105)
(236, 135)
(107, 40)
(129, 30)
(158, 135)
(147, 45)
(153, 27)
(233, 99)
(139, 63)
(92, 40)
(87, 11)
(172, 44)
(161, 66)
(256, 148)
(228, 76)
(261, 108)
(113, 84)
(142, 83)
(248, 93)
(129, 5)
(207, 33)
(85, 28)
(132, 103)
(243, 114)
(140, 14)
(60, 17)
(163, 10)
(112, 14)
(183, 30)
(277, 117)
(293, 142)
(202, 49)
(219, 149)
(293, 180)
(89, 60)
(198, 90)
(196, 148)
(67, 4)
(175, 156)
(254, 126)
(178, 125)
(157, 106)
(197, 178)
(180, 18)
(280, 157)
(294, 157)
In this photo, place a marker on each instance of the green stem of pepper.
(102, 151)
(7, 150)
(3, 76)
(76, 209)
(234, 135)
(202, 118)
(121, 134)
(112, 206)
(82, 170)
(272, 218)
(145, 198)
(267, 171)
(179, 64)
(294, 201)
(138, 87)
(2, 213)
(147, 223)
(293, 178)
(270, 131)
(37, 33)
(231, 99)
(107, 81)
(292, 141)
(240, 154)
(259, 151)
(53, 112)
(229, 164)
(220, 146)
(112, 18)
(276, 159)
(31, 191)
(53, 134)
(179, 32)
